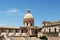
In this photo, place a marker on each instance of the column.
(14, 31)
(30, 32)
(7, 31)
(20, 31)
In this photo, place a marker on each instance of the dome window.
(31, 24)
(27, 24)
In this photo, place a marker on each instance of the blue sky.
(12, 11)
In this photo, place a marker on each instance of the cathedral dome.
(28, 19)
(28, 15)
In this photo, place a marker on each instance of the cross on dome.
(28, 10)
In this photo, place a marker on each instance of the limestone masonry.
(29, 31)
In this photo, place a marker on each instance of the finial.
(28, 10)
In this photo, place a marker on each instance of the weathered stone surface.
(53, 38)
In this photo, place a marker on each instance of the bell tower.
(28, 19)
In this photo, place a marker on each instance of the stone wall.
(53, 38)
(19, 38)
(46, 29)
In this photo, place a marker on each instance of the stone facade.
(51, 28)
(29, 30)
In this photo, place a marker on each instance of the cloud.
(12, 10)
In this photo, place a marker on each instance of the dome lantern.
(28, 11)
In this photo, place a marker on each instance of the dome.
(28, 19)
(28, 15)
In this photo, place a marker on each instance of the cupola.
(28, 19)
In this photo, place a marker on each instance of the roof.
(10, 27)
(28, 14)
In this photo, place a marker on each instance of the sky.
(12, 11)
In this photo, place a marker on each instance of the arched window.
(59, 30)
(27, 24)
(49, 30)
(36, 32)
(22, 31)
(10, 30)
(17, 31)
(31, 24)
(55, 30)
(44, 30)
(3, 30)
